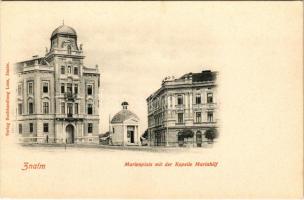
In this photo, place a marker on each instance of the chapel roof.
(124, 114)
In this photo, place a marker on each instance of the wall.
(118, 135)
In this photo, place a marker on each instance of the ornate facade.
(57, 95)
(187, 104)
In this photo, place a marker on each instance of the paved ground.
(108, 147)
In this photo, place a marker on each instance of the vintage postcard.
(151, 99)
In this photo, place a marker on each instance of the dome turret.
(64, 30)
(64, 38)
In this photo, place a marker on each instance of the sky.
(137, 44)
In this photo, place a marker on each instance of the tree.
(145, 134)
(211, 134)
(104, 138)
(144, 138)
(185, 133)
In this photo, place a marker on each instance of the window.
(69, 69)
(53, 43)
(198, 99)
(62, 88)
(45, 107)
(90, 109)
(76, 70)
(90, 128)
(70, 108)
(20, 128)
(20, 108)
(30, 88)
(76, 108)
(69, 87)
(19, 89)
(210, 116)
(76, 89)
(45, 127)
(198, 117)
(209, 98)
(69, 49)
(62, 69)
(31, 127)
(180, 117)
(62, 108)
(113, 130)
(31, 108)
(179, 99)
(90, 90)
(45, 87)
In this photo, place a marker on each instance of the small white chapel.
(124, 127)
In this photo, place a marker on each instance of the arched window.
(69, 49)
(30, 106)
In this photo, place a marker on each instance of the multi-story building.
(184, 104)
(57, 95)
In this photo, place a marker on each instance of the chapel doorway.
(131, 134)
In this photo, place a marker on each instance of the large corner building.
(186, 105)
(57, 95)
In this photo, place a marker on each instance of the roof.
(206, 75)
(106, 134)
(123, 115)
(63, 29)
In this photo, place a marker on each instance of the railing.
(36, 139)
(87, 139)
(65, 51)
(191, 142)
(52, 140)
(70, 96)
(180, 106)
(177, 82)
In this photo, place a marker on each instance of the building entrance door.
(199, 140)
(158, 138)
(70, 134)
(130, 134)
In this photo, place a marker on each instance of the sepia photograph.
(159, 99)
(59, 97)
